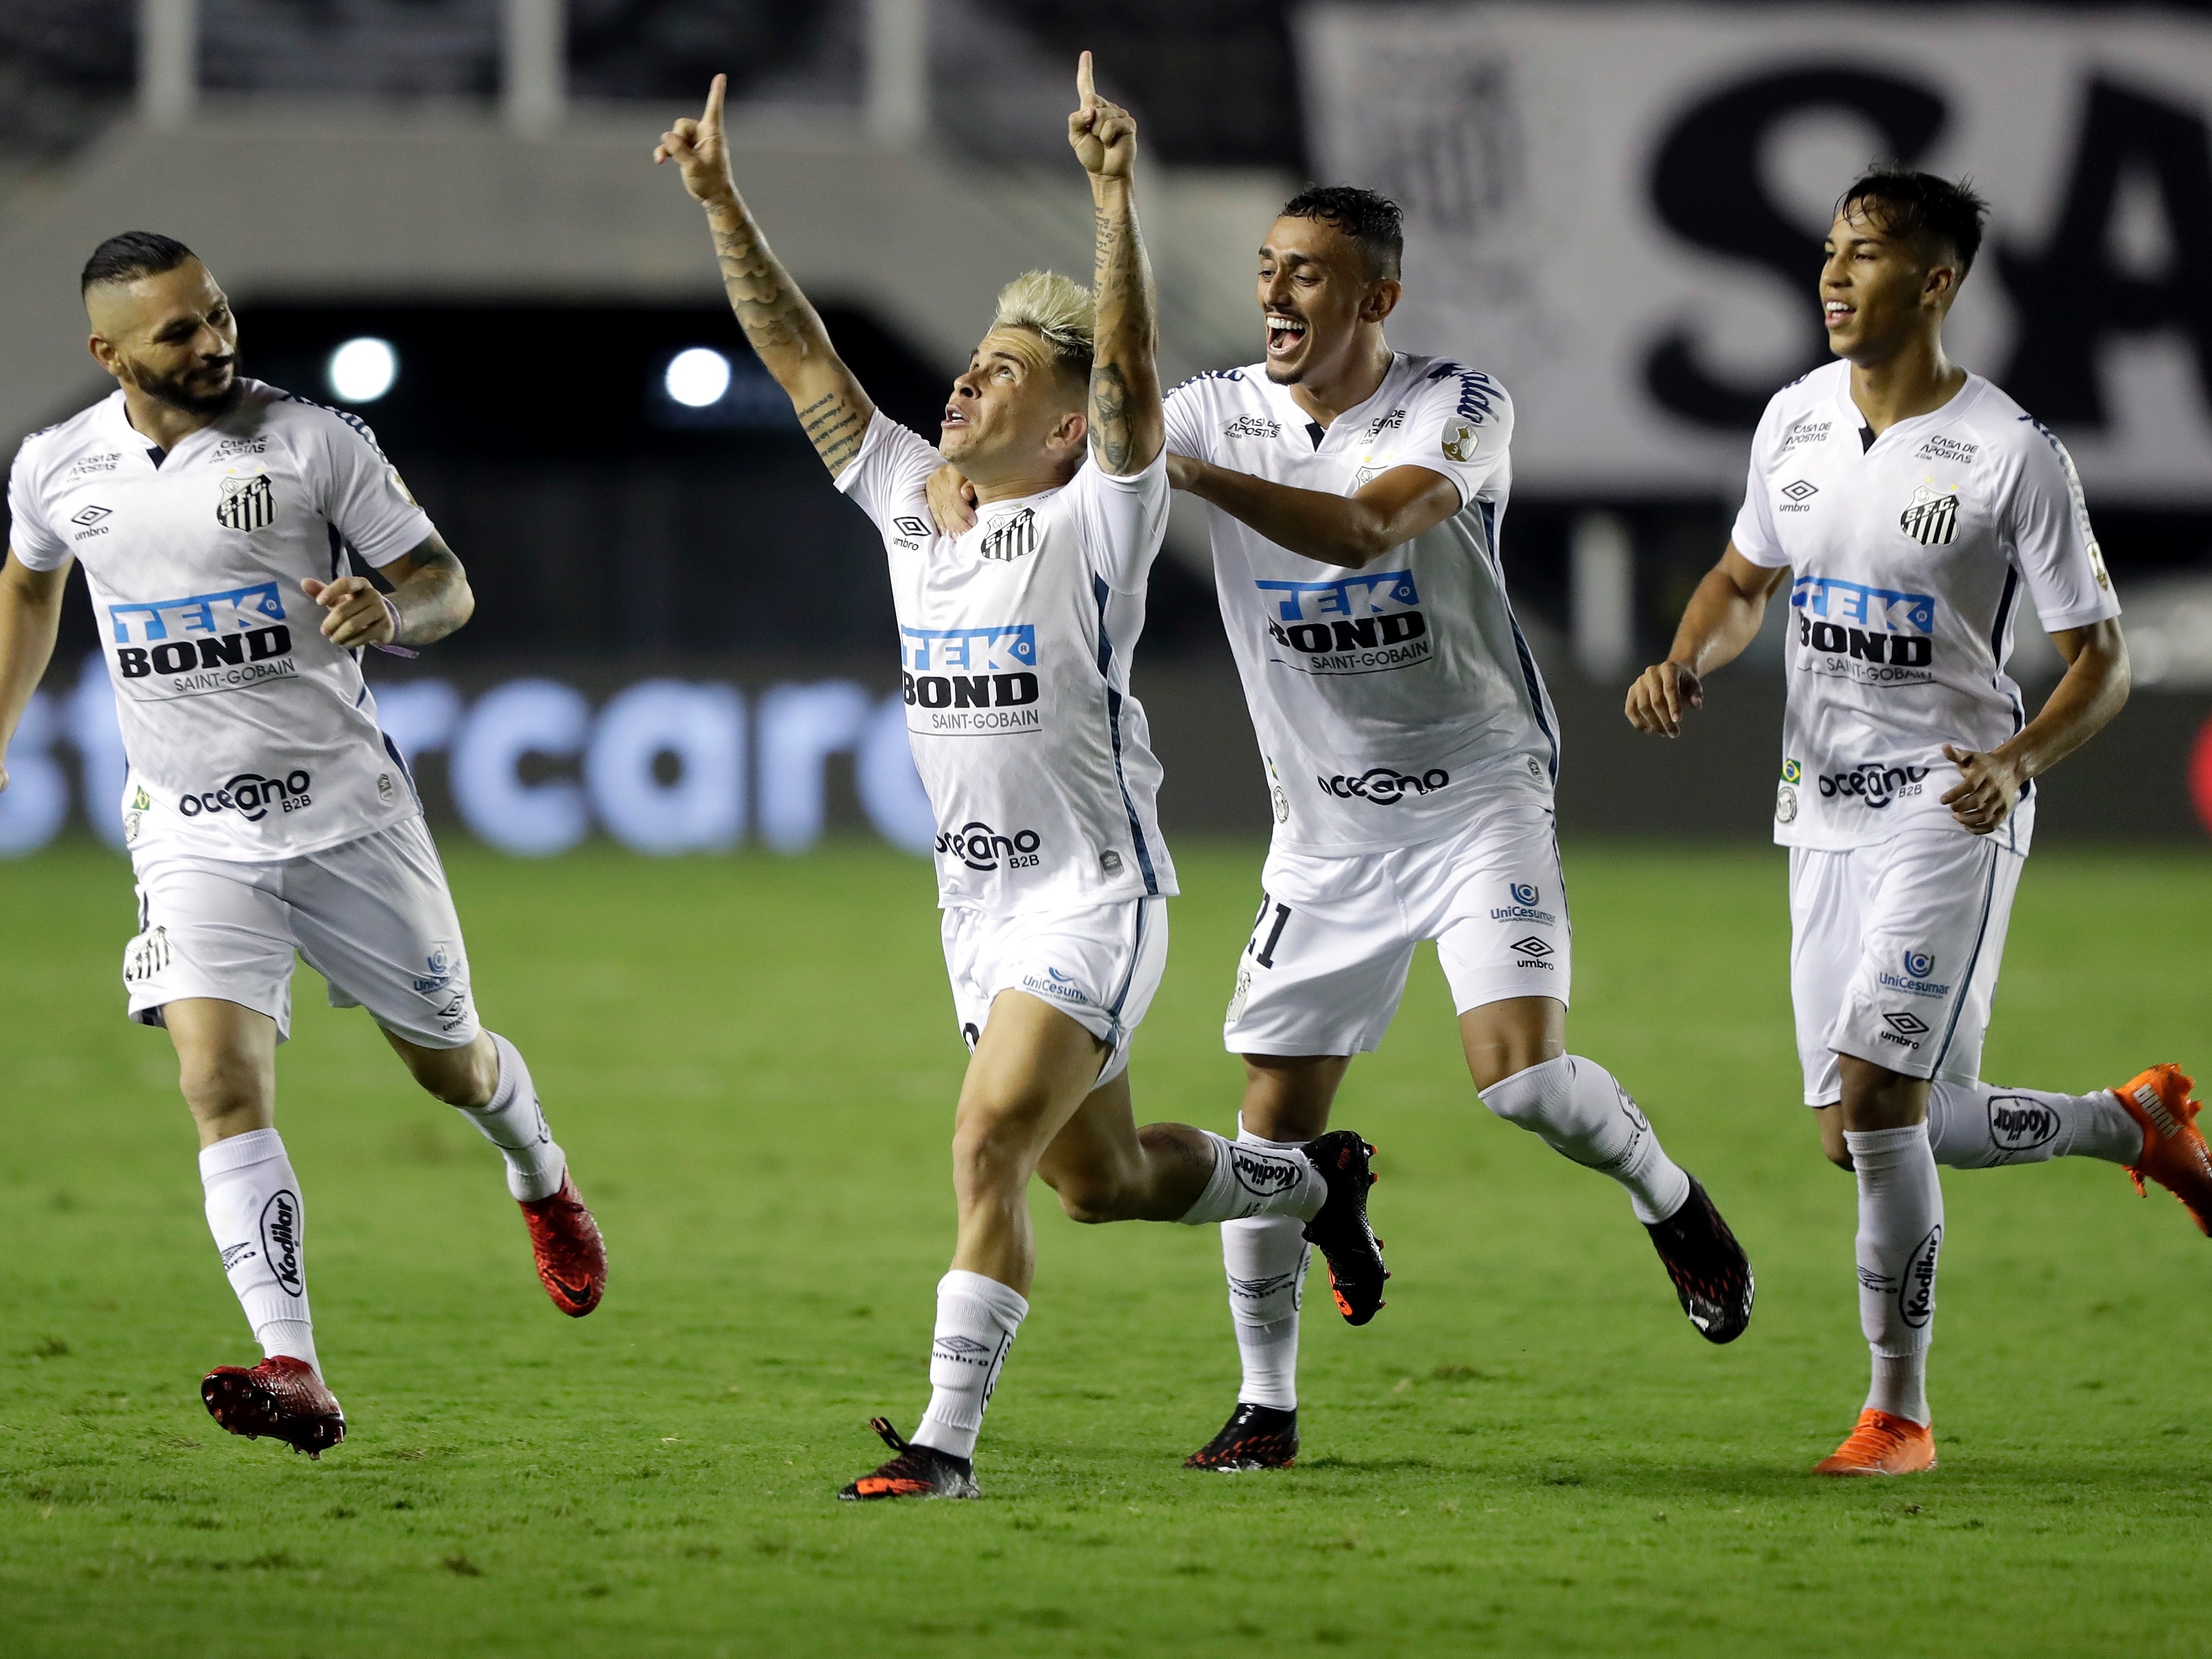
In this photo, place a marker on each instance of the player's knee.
(988, 1146)
(219, 1088)
(465, 1077)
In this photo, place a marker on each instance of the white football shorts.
(1098, 964)
(371, 916)
(1894, 954)
(1326, 965)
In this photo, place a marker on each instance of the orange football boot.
(1882, 1444)
(2174, 1154)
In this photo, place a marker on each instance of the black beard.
(170, 389)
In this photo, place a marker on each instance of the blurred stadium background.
(441, 214)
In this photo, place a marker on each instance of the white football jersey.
(250, 735)
(1383, 697)
(1909, 554)
(1014, 647)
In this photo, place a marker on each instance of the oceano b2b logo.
(980, 847)
(1876, 635)
(201, 643)
(1384, 786)
(251, 795)
(970, 681)
(1362, 625)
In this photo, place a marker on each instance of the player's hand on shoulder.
(1987, 789)
(1662, 694)
(951, 500)
(1104, 134)
(357, 615)
(700, 149)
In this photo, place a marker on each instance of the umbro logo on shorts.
(1906, 1025)
(1531, 946)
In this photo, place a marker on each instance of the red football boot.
(282, 1397)
(571, 1258)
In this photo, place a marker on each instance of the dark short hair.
(1921, 207)
(133, 254)
(1372, 221)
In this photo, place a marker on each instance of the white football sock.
(977, 1320)
(1266, 1259)
(1900, 1235)
(513, 1121)
(1578, 1110)
(1980, 1125)
(254, 1211)
(1251, 1179)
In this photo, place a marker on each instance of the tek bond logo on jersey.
(970, 682)
(1874, 635)
(171, 648)
(1365, 623)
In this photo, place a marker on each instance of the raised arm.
(30, 617)
(1126, 426)
(783, 329)
(1721, 617)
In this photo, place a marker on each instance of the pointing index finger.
(1084, 88)
(714, 93)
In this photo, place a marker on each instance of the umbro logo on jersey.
(247, 503)
(85, 518)
(1011, 540)
(1931, 520)
(910, 526)
(1251, 426)
(1801, 490)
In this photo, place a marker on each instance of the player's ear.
(105, 354)
(1382, 300)
(1074, 428)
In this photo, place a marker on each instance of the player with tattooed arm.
(264, 811)
(1015, 641)
(1409, 748)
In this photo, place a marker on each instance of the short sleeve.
(29, 536)
(2047, 529)
(1187, 429)
(1753, 534)
(892, 468)
(1124, 520)
(1461, 423)
(364, 498)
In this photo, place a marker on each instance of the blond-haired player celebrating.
(1409, 748)
(264, 811)
(1015, 640)
(1911, 505)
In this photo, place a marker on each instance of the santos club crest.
(1931, 520)
(247, 503)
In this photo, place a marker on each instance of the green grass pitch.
(752, 1064)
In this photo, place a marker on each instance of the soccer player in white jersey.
(264, 811)
(1410, 749)
(1911, 506)
(1015, 641)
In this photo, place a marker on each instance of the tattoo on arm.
(835, 427)
(787, 334)
(1110, 439)
(1126, 424)
(434, 598)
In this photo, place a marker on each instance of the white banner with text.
(1619, 212)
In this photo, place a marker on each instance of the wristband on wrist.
(392, 611)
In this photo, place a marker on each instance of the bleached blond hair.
(1057, 308)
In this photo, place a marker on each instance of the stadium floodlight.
(362, 370)
(697, 376)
